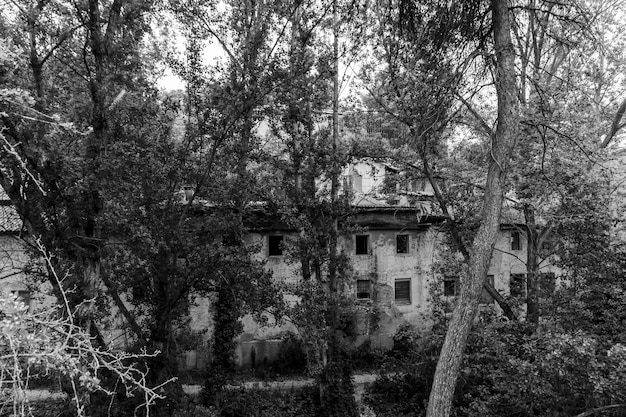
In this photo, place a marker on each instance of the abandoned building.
(393, 254)
(397, 244)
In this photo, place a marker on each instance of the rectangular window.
(516, 241)
(275, 245)
(518, 285)
(363, 289)
(402, 293)
(362, 244)
(450, 286)
(485, 298)
(402, 243)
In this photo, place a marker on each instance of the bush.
(269, 403)
(291, 357)
(509, 370)
(403, 387)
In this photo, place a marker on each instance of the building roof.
(10, 221)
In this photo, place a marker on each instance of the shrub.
(269, 403)
(509, 370)
(291, 357)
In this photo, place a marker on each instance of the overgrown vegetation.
(138, 202)
(510, 370)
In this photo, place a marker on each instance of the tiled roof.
(9, 219)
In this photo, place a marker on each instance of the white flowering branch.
(50, 342)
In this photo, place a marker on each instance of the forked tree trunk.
(451, 356)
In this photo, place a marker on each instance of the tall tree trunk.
(503, 141)
(336, 389)
(532, 265)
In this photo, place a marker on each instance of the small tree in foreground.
(50, 344)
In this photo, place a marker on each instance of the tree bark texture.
(532, 266)
(451, 356)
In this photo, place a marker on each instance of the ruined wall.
(15, 262)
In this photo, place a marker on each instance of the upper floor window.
(362, 244)
(402, 243)
(516, 241)
(275, 245)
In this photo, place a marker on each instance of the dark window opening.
(363, 289)
(516, 241)
(391, 183)
(450, 287)
(362, 245)
(402, 243)
(518, 285)
(275, 245)
(485, 298)
(403, 291)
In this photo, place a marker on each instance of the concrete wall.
(15, 258)
(507, 261)
(386, 266)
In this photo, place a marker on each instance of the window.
(402, 243)
(403, 291)
(517, 285)
(516, 242)
(450, 286)
(485, 298)
(363, 289)
(275, 245)
(362, 244)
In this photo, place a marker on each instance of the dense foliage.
(511, 370)
(140, 201)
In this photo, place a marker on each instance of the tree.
(503, 142)
(427, 62)
(51, 159)
(308, 156)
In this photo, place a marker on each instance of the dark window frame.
(363, 295)
(450, 286)
(406, 246)
(359, 249)
(397, 294)
(516, 240)
(275, 245)
(517, 285)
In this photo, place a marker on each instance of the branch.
(483, 124)
(615, 126)
(600, 409)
